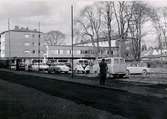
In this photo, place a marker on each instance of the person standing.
(103, 71)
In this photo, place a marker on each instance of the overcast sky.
(52, 14)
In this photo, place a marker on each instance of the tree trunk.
(122, 47)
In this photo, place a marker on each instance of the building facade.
(22, 43)
(86, 52)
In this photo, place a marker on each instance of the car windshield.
(108, 61)
(116, 61)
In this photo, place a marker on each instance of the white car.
(82, 69)
(58, 68)
(138, 69)
(39, 67)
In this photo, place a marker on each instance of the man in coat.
(103, 71)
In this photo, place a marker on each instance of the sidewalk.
(123, 84)
(149, 79)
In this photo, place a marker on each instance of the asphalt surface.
(20, 102)
(128, 104)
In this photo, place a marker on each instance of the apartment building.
(22, 43)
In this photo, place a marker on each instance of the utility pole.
(9, 47)
(72, 35)
(39, 36)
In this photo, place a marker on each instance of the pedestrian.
(103, 71)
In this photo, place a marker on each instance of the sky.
(52, 14)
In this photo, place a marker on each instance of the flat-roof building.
(22, 43)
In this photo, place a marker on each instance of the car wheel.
(121, 75)
(54, 71)
(49, 72)
(66, 72)
(87, 72)
(144, 72)
(75, 71)
(115, 75)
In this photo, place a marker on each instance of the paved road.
(20, 102)
(122, 102)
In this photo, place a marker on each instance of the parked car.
(58, 68)
(138, 68)
(39, 67)
(116, 67)
(21, 67)
(81, 66)
(13, 66)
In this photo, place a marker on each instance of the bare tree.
(89, 24)
(159, 19)
(139, 17)
(123, 17)
(55, 38)
(108, 19)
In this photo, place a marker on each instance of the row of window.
(28, 44)
(34, 44)
(33, 51)
(78, 52)
(32, 36)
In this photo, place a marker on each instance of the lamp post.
(39, 46)
(9, 47)
(72, 35)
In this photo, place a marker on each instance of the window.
(107, 52)
(68, 52)
(27, 51)
(77, 52)
(112, 52)
(61, 52)
(33, 51)
(26, 36)
(33, 43)
(108, 61)
(55, 52)
(116, 61)
(26, 44)
(62, 61)
(33, 35)
(122, 61)
(86, 52)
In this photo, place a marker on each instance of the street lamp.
(72, 35)
(9, 48)
(39, 46)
